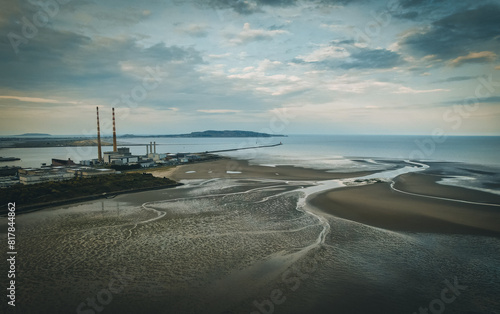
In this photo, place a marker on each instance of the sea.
(255, 245)
(316, 151)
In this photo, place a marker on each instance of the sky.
(275, 66)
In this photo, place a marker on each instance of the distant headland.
(34, 134)
(28, 140)
(212, 133)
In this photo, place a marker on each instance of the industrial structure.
(117, 159)
(119, 156)
(115, 149)
(99, 152)
(62, 162)
(47, 174)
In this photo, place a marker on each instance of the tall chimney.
(150, 147)
(115, 148)
(155, 146)
(99, 152)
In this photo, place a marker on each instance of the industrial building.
(62, 169)
(62, 162)
(47, 174)
(121, 157)
(152, 152)
(86, 172)
(7, 181)
(60, 173)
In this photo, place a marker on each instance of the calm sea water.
(319, 151)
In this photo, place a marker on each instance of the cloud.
(247, 7)
(66, 59)
(454, 35)
(456, 79)
(497, 67)
(492, 99)
(195, 30)
(325, 53)
(333, 57)
(481, 100)
(332, 27)
(356, 86)
(268, 78)
(474, 57)
(37, 100)
(218, 111)
(248, 35)
(373, 59)
(426, 9)
(219, 56)
(242, 7)
(275, 27)
(408, 90)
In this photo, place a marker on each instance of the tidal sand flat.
(234, 168)
(303, 241)
(381, 206)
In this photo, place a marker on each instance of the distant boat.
(9, 158)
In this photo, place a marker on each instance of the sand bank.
(426, 183)
(240, 169)
(380, 206)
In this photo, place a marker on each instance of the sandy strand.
(442, 198)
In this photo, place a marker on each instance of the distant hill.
(34, 134)
(212, 133)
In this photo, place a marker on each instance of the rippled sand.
(240, 246)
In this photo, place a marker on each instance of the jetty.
(235, 149)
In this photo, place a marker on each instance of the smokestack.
(155, 147)
(99, 152)
(150, 147)
(147, 149)
(115, 148)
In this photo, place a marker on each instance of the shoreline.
(376, 204)
(427, 184)
(231, 242)
(379, 205)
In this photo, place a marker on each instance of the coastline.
(233, 240)
(381, 206)
(431, 210)
(377, 204)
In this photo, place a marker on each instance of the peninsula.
(211, 133)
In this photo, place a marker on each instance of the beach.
(237, 169)
(243, 238)
(381, 206)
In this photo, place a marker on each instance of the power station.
(122, 155)
(111, 162)
(115, 149)
(99, 152)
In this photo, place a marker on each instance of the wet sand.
(224, 245)
(426, 183)
(380, 206)
(238, 169)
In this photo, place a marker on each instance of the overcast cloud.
(336, 66)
